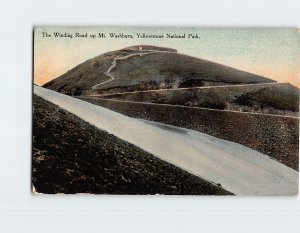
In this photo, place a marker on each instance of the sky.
(270, 52)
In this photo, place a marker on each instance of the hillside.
(205, 156)
(279, 99)
(276, 136)
(132, 69)
(72, 156)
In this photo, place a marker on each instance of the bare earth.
(237, 168)
(72, 156)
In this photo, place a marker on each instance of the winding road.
(181, 88)
(191, 107)
(116, 59)
(237, 168)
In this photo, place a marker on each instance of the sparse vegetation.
(72, 156)
(279, 99)
(149, 71)
(275, 136)
(268, 97)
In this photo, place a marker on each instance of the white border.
(20, 211)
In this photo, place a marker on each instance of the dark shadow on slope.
(72, 156)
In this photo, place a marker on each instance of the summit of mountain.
(146, 67)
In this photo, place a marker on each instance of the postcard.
(166, 110)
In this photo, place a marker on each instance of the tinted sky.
(273, 53)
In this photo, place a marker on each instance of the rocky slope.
(276, 136)
(278, 99)
(72, 156)
(236, 168)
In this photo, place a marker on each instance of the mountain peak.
(149, 47)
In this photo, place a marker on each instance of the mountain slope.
(72, 156)
(276, 136)
(272, 98)
(237, 168)
(127, 70)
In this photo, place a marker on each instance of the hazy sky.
(273, 53)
